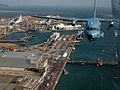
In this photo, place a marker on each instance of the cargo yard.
(32, 24)
(36, 67)
(55, 51)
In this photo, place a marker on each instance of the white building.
(67, 27)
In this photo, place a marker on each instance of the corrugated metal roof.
(15, 60)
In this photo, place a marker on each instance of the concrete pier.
(59, 53)
(101, 63)
(27, 38)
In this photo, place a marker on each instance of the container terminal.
(32, 24)
(38, 60)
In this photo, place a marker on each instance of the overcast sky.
(85, 3)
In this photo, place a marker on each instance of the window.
(91, 29)
(94, 28)
(87, 28)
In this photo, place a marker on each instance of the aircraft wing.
(106, 20)
(81, 20)
(64, 19)
(55, 18)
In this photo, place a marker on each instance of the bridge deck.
(92, 62)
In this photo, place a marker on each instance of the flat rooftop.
(15, 59)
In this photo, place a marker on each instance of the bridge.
(97, 63)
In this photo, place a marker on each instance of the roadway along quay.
(41, 67)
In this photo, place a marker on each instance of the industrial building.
(22, 60)
(14, 59)
(37, 62)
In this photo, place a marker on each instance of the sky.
(69, 3)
